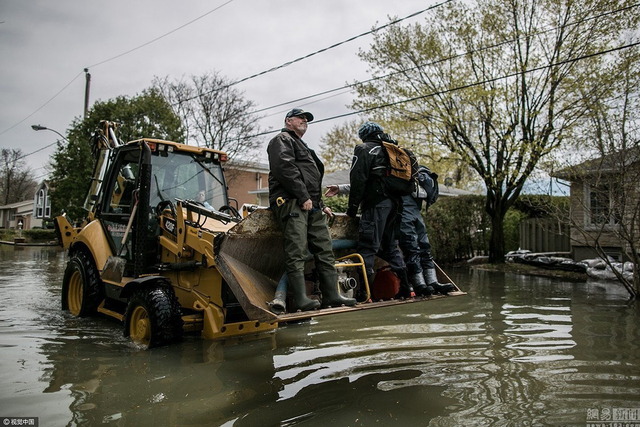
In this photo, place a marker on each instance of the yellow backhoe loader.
(163, 262)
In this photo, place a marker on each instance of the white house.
(28, 214)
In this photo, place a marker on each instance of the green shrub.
(31, 235)
(512, 229)
(458, 228)
(6, 234)
(542, 206)
(337, 203)
(39, 235)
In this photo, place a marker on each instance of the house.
(342, 177)
(17, 215)
(604, 205)
(28, 214)
(247, 182)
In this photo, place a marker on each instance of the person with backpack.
(413, 238)
(380, 206)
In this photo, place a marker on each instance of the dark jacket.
(295, 170)
(368, 167)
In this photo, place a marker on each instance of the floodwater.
(517, 350)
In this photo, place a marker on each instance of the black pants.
(377, 235)
(413, 238)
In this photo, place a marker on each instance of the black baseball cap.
(299, 112)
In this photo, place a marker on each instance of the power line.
(116, 57)
(466, 86)
(241, 80)
(286, 64)
(308, 103)
(38, 150)
(494, 79)
(236, 82)
(160, 37)
(323, 50)
(43, 105)
(474, 51)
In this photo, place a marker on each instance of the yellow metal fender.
(94, 238)
(66, 232)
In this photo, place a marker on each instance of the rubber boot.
(431, 278)
(331, 297)
(298, 288)
(406, 291)
(420, 286)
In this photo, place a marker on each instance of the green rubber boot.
(331, 297)
(299, 291)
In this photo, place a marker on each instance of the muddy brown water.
(517, 350)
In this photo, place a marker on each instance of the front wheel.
(82, 289)
(153, 317)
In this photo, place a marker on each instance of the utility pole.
(86, 91)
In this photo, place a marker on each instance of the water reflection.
(516, 351)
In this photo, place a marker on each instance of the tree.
(16, 179)
(337, 149)
(143, 116)
(495, 82)
(214, 114)
(605, 192)
(336, 146)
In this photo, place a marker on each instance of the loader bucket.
(250, 257)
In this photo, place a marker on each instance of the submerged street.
(516, 350)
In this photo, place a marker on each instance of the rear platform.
(250, 258)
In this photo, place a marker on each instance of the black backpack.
(426, 186)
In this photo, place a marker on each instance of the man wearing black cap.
(295, 196)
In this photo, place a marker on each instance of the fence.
(544, 235)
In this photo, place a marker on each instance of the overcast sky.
(45, 46)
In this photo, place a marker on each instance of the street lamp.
(38, 127)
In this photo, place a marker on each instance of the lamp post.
(86, 91)
(39, 127)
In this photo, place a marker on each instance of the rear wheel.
(81, 287)
(153, 317)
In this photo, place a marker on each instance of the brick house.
(247, 182)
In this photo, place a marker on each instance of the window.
(121, 196)
(601, 209)
(47, 208)
(182, 176)
(40, 201)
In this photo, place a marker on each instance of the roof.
(608, 164)
(336, 178)
(247, 165)
(342, 177)
(17, 205)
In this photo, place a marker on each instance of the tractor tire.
(153, 317)
(82, 289)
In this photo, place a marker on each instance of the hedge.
(31, 235)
